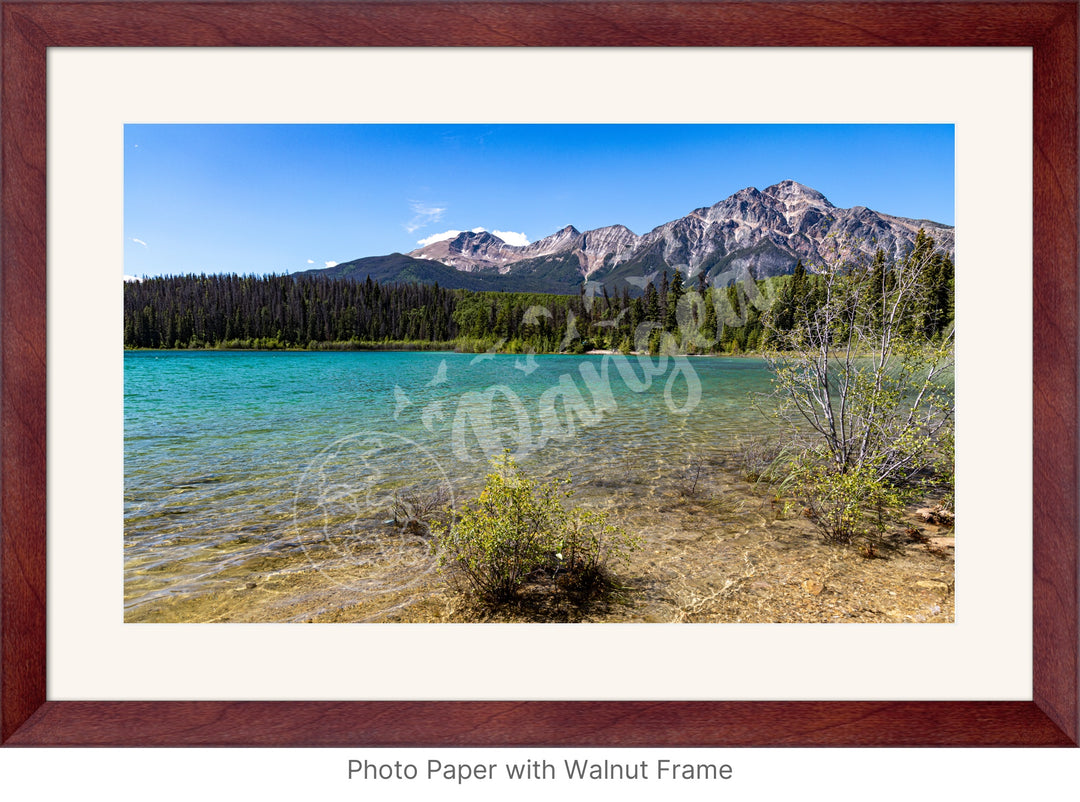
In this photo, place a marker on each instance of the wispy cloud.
(331, 264)
(438, 237)
(423, 215)
(311, 261)
(509, 237)
(512, 237)
(444, 235)
(136, 239)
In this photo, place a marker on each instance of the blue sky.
(255, 199)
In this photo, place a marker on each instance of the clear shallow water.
(233, 457)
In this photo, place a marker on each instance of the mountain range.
(756, 233)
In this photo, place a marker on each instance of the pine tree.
(674, 293)
(652, 304)
(708, 327)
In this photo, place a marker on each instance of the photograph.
(538, 373)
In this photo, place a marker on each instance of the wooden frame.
(27, 718)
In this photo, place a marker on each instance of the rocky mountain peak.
(475, 238)
(557, 241)
(794, 191)
(618, 228)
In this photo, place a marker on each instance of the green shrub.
(846, 507)
(517, 529)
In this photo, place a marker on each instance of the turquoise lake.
(233, 455)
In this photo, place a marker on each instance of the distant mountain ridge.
(756, 233)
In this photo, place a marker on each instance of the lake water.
(233, 457)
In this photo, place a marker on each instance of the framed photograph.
(996, 80)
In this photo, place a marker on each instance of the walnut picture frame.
(29, 718)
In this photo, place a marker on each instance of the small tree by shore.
(859, 368)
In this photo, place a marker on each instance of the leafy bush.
(846, 507)
(517, 530)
